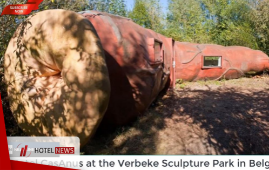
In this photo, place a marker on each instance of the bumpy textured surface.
(58, 82)
(136, 78)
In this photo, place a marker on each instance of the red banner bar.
(21, 9)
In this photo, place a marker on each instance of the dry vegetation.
(205, 117)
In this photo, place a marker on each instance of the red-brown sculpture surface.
(136, 77)
(235, 61)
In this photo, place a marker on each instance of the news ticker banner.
(43, 146)
(99, 162)
(21, 9)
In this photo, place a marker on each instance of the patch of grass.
(179, 81)
(251, 73)
(180, 86)
(201, 82)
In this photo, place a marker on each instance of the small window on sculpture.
(157, 51)
(212, 61)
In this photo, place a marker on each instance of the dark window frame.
(208, 67)
(153, 58)
(158, 58)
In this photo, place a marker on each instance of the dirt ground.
(205, 117)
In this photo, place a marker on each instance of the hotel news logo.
(26, 151)
(23, 150)
(42, 146)
(64, 150)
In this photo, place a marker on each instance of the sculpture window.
(155, 51)
(158, 51)
(212, 61)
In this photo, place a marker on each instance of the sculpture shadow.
(223, 121)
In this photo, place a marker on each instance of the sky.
(163, 3)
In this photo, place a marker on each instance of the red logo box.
(64, 150)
